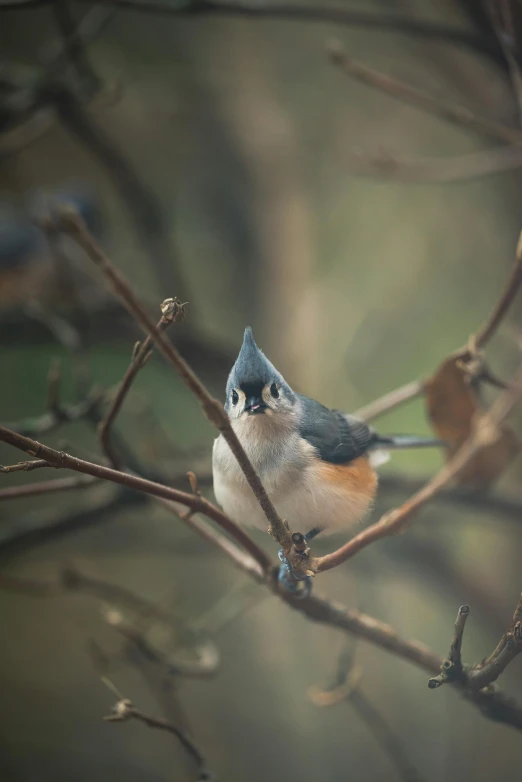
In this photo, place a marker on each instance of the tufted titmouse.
(316, 464)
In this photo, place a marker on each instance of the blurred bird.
(317, 464)
(28, 269)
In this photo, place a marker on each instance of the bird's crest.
(252, 366)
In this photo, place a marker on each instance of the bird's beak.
(255, 405)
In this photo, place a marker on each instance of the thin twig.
(71, 224)
(390, 401)
(507, 649)
(458, 115)
(207, 655)
(124, 710)
(172, 312)
(346, 687)
(384, 735)
(484, 334)
(478, 677)
(457, 168)
(33, 464)
(47, 487)
(72, 45)
(502, 22)
(55, 417)
(508, 506)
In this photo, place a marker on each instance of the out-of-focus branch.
(124, 710)
(394, 22)
(502, 21)
(509, 646)
(72, 45)
(172, 312)
(487, 331)
(46, 487)
(458, 115)
(390, 401)
(347, 688)
(207, 654)
(460, 168)
(58, 415)
(508, 506)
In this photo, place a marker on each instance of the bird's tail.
(398, 441)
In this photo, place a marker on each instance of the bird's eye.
(235, 397)
(274, 391)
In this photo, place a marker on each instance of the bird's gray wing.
(338, 438)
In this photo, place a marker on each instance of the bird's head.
(255, 387)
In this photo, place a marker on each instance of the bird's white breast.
(292, 476)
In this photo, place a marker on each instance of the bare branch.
(476, 678)
(459, 168)
(458, 115)
(503, 24)
(34, 464)
(347, 688)
(72, 45)
(452, 667)
(124, 710)
(172, 311)
(47, 487)
(484, 334)
(509, 647)
(58, 415)
(390, 401)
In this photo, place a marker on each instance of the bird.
(316, 464)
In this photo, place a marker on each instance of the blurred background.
(221, 157)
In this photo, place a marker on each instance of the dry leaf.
(451, 404)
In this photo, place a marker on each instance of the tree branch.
(29, 466)
(394, 22)
(457, 168)
(507, 649)
(58, 415)
(478, 677)
(46, 487)
(172, 312)
(390, 401)
(124, 710)
(486, 332)
(458, 115)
